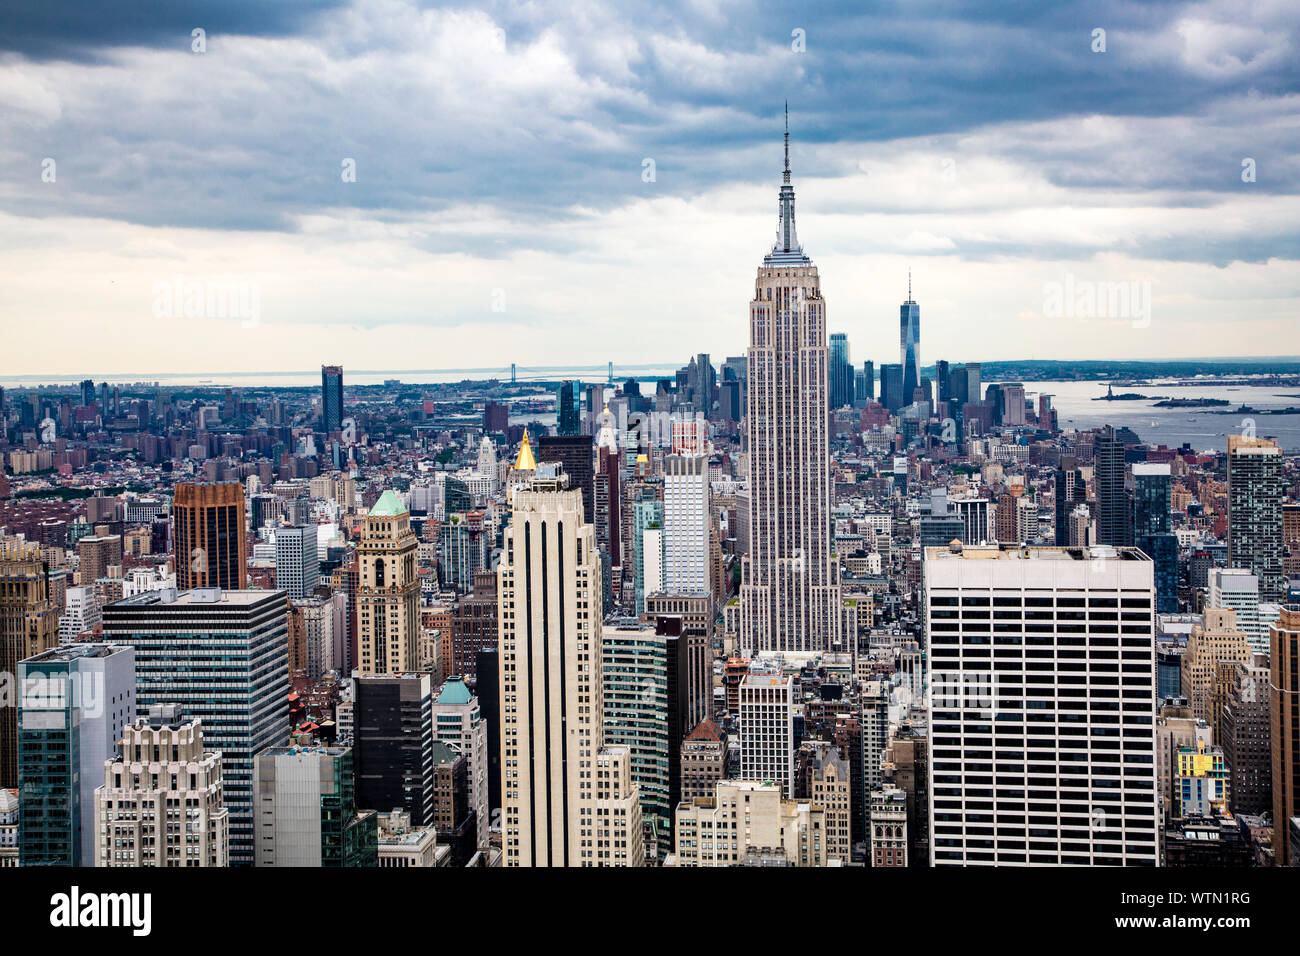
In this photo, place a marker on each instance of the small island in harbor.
(1192, 403)
(1251, 410)
(1110, 396)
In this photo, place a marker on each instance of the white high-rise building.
(977, 518)
(487, 462)
(790, 593)
(568, 800)
(686, 524)
(297, 561)
(162, 802)
(1238, 589)
(767, 726)
(1043, 685)
(80, 612)
(652, 561)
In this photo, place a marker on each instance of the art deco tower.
(567, 799)
(388, 593)
(29, 624)
(790, 594)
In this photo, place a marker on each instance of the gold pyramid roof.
(525, 461)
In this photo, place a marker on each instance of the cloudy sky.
(396, 184)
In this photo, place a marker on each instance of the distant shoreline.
(1216, 371)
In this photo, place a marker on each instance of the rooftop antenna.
(787, 141)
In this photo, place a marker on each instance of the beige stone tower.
(388, 592)
(29, 624)
(1217, 641)
(567, 799)
(790, 594)
(162, 766)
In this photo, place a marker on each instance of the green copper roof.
(388, 505)
(454, 691)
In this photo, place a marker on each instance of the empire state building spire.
(786, 248)
(790, 598)
(786, 179)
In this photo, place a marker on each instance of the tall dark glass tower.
(331, 398)
(567, 420)
(574, 453)
(909, 338)
(392, 743)
(943, 390)
(841, 372)
(1152, 531)
(1114, 518)
(891, 387)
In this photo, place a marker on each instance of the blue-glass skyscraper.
(331, 398)
(74, 703)
(841, 371)
(1152, 533)
(909, 337)
(567, 417)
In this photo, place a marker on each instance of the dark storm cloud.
(84, 29)
(251, 134)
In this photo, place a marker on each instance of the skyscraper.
(297, 563)
(458, 722)
(644, 694)
(648, 543)
(567, 417)
(1050, 759)
(74, 703)
(608, 491)
(567, 799)
(1238, 589)
(1070, 491)
(909, 342)
(942, 384)
(1284, 713)
(208, 535)
(1152, 531)
(790, 594)
(867, 383)
(388, 593)
(1242, 729)
(767, 726)
(331, 398)
(392, 743)
(306, 810)
(891, 386)
(223, 657)
(574, 454)
(1212, 644)
(1255, 511)
(29, 625)
(1114, 516)
(686, 524)
(162, 765)
(841, 371)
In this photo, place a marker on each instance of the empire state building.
(790, 591)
